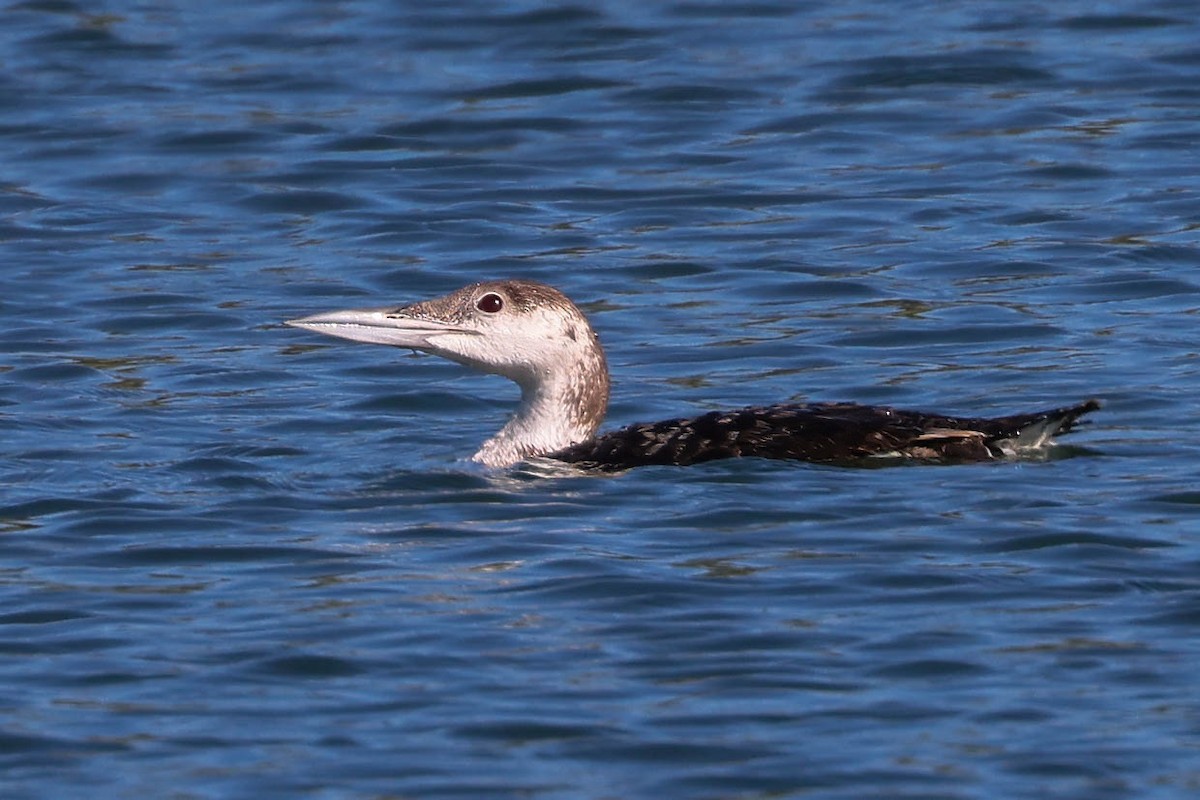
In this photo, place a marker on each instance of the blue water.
(242, 560)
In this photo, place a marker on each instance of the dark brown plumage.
(821, 432)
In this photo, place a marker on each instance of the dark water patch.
(517, 732)
(624, 593)
(567, 15)
(841, 120)
(12, 745)
(1032, 715)
(269, 82)
(1065, 761)
(41, 617)
(236, 483)
(97, 40)
(823, 290)
(308, 179)
(63, 644)
(885, 711)
(960, 335)
(53, 373)
(1184, 57)
(698, 94)
(210, 464)
(1177, 498)
(145, 324)
(301, 201)
(233, 140)
(907, 581)
(369, 143)
(1070, 172)
(147, 555)
(448, 132)
(681, 753)
(103, 680)
(1116, 22)
(289, 40)
(666, 270)
(931, 669)
(143, 300)
(309, 667)
(978, 68)
(539, 88)
(418, 401)
(736, 10)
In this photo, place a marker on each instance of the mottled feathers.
(821, 432)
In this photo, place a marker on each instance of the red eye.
(490, 303)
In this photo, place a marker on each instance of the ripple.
(239, 562)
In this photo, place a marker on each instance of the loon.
(533, 335)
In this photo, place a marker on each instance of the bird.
(532, 334)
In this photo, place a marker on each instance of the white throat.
(543, 423)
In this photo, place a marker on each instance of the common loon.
(532, 334)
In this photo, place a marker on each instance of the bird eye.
(490, 303)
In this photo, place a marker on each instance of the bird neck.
(558, 408)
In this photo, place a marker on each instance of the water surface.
(242, 560)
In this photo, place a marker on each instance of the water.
(242, 560)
